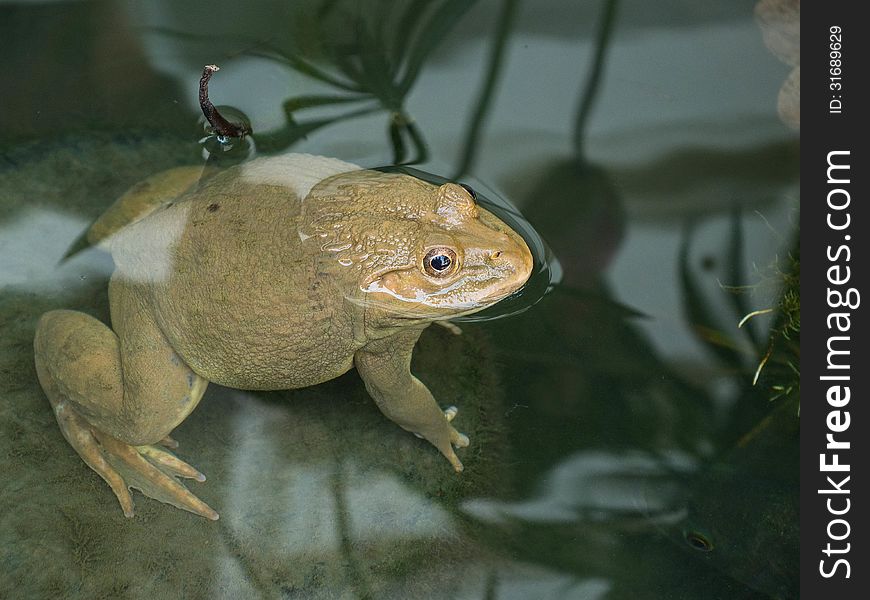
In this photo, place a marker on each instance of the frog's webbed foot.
(456, 440)
(460, 440)
(150, 469)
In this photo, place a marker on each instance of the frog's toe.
(147, 468)
(154, 472)
(168, 442)
(459, 440)
(446, 444)
(450, 455)
(170, 462)
(78, 433)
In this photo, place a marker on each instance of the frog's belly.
(252, 374)
(259, 342)
(238, 360)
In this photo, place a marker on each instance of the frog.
(279, 273)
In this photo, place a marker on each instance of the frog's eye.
(439, 262)
(699, 541)
(470, 191)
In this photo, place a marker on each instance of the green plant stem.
(593, 81)
(419, 143)
(400, 125)
(493, 73)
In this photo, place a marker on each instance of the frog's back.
(234, 288)
(142, 199)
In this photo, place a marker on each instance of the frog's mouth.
(412, 312)
(486, 275)
(476, 290)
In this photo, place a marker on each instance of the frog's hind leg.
(115, 422)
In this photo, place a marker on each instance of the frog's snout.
(523, 264)
(512, 259)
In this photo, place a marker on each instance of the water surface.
(619, 448)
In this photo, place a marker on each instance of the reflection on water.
(599, 486)
(618, 448)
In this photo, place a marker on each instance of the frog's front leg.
(117, 395)
(385, 367)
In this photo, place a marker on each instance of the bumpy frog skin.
(280, 273)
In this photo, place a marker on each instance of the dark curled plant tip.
(222, 127)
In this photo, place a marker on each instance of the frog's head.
(426, 252)
(463, 259)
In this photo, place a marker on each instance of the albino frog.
(279, 273)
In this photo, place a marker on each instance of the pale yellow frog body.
(280, 273)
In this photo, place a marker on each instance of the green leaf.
(302, 102)
(263, 49)
(343, 58)
(376, 70)
(406, 27)
(304, 67)
(431, 34)
(292, 132)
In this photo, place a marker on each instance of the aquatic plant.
(783, 345)
(372, 67)
(778, 351)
